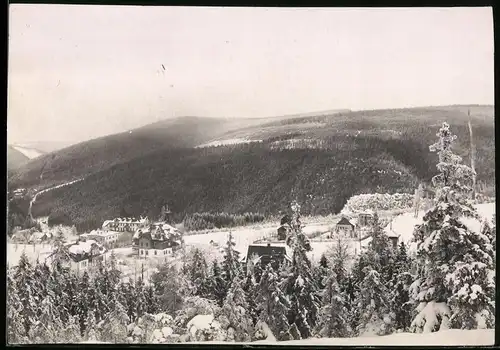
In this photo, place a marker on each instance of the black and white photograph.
(250, 175)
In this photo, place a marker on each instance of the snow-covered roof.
(159, 231)
(83, 248)
(366, 212)
(100, 233)
(125, 221)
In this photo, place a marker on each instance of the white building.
(108, 238)
(125, 224)
(81, 255)
(158, 239)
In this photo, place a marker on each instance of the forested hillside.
(15, 160)
(321, 161)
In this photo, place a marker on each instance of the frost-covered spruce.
(400, 305)
(273, 305)
(454, 287)
(333, 320)
(300, 285)
(235, 308)
(231, 262)
(197, 273)
(373, 305)
(216, 285)
(381, 247)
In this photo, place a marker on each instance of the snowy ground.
(245, 236)
(131, 266)
(405, 223)
(33, 252)
(452, 337)
(40, 251)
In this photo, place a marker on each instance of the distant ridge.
(322, 158)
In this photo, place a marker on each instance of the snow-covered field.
(405, 223)
(245, 236)
(33, 252)
(226, 142)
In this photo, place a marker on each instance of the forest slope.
(321, 161)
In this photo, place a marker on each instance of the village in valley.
(241, 179)
(144, 239)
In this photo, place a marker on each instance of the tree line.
(448, 283)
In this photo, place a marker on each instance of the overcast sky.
(79, 72)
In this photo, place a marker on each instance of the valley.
(304, 157)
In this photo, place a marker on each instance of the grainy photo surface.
(283, 176)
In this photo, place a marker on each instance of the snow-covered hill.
(29, 152)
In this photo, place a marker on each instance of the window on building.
(155, 252)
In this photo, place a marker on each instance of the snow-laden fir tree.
(333, 320)
(373, 305)
(91, 333)
(114, 329)
(197, 269)
(321, 272)
(231, 262)
(273, 305)
(300, 285)
(250, 287)
(166, 286)
(381, 247)
(216, 285)
(399, 301)
(16, 332)
(23, 277)
(455, 286)
(235, 308)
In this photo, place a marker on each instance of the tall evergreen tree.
(272, 304)
(235, 308)
(456, 263)
(321, 272)
(250, 288)
(373, 303)
(114, 329)
(231, 262)
(216, 287)
(399, 290)
(382, 250)
(198, 273)
(166, 286)
(16, 331)
(23, 277)
(334, 314)
(300, 285)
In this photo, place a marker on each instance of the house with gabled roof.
(107, 238)
(345, 226)
(158, 239)
(124, 224)
(80, 255)
(264, 254)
